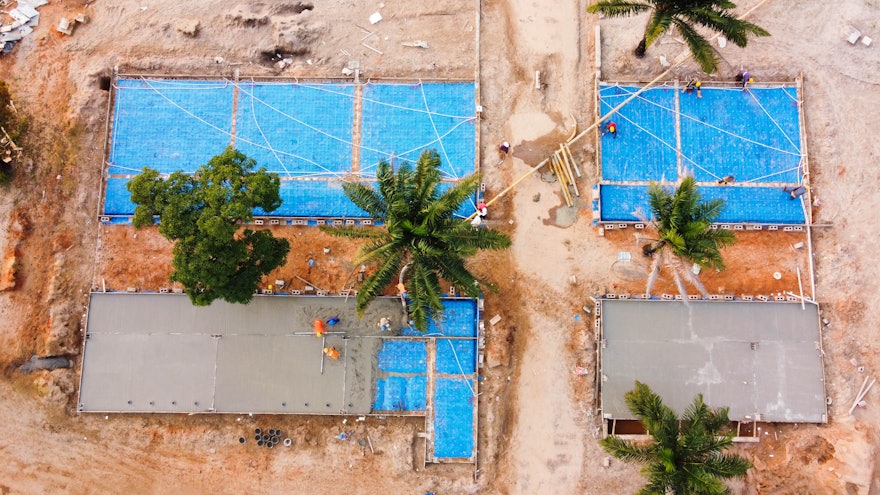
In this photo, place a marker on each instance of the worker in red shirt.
(611, 128)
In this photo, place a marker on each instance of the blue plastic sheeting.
(313, 198)
(416, 393)
(296, 130)
(752, 135)
(403, 357)
(644, 148)
(765, 205)
(397, 393)
(169, 125)
(456, 357)
(453, 418)
(437, 116)
(117, 199)
(459, 319)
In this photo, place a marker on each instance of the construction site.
(508, 393)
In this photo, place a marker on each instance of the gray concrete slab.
(168, 373)
(681, 349)
(260, 357)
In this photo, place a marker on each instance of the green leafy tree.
(686, 15)
(684, 226)
(213, 257)
(686, 456)
(420, 232)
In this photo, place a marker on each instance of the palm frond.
(657, 25)
(626, 450)
(424, 294)
(454, 270)
(699, 46)
(727, 465)
(366, 198)
(451, 200)
(617, 8)
(376, 282)
(426, 179)
(350, 232)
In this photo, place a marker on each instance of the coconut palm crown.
(421, 232)
(684, 227)
(686, 456)
(687, 16)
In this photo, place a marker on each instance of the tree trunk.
(640, 50)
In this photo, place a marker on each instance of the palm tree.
(686, 455)
(422, 241)
(684, 226)
(685, 15)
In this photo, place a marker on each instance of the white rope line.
(775, 173)
(260, 129)
(464, 378)
(719, 129)
(323, 88)
(755, 98)
(434, 126)
(792, 98)
(664, 143)
(440, 141)
(304, 124)
(418, 148)
(417, 110)
(191, 86)
(289, 154)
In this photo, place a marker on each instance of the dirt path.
(539, 432)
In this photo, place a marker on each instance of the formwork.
(762, 359)
(754, 136)
(157, 353)
(316, 135)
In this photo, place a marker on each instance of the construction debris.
(416, 43)
(24, 19)
(9, 151)
(863, 391)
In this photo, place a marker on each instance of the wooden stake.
(554, 165)
(571, 158)
(560, 155)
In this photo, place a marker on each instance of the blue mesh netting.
(752, 135)
(397, 393)
(458, 319)
(453, 418)
(169, 125)
(403, 357)
(644, 148)
(766, 205)
(436, 116)
(455, 357)
(296, 130)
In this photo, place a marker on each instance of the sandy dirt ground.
(538, 424)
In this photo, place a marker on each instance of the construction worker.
(384, 324)
(691, 86)
(503, 150)
(482, 209)
(611, 128)
(318, 328)
(331, 352)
